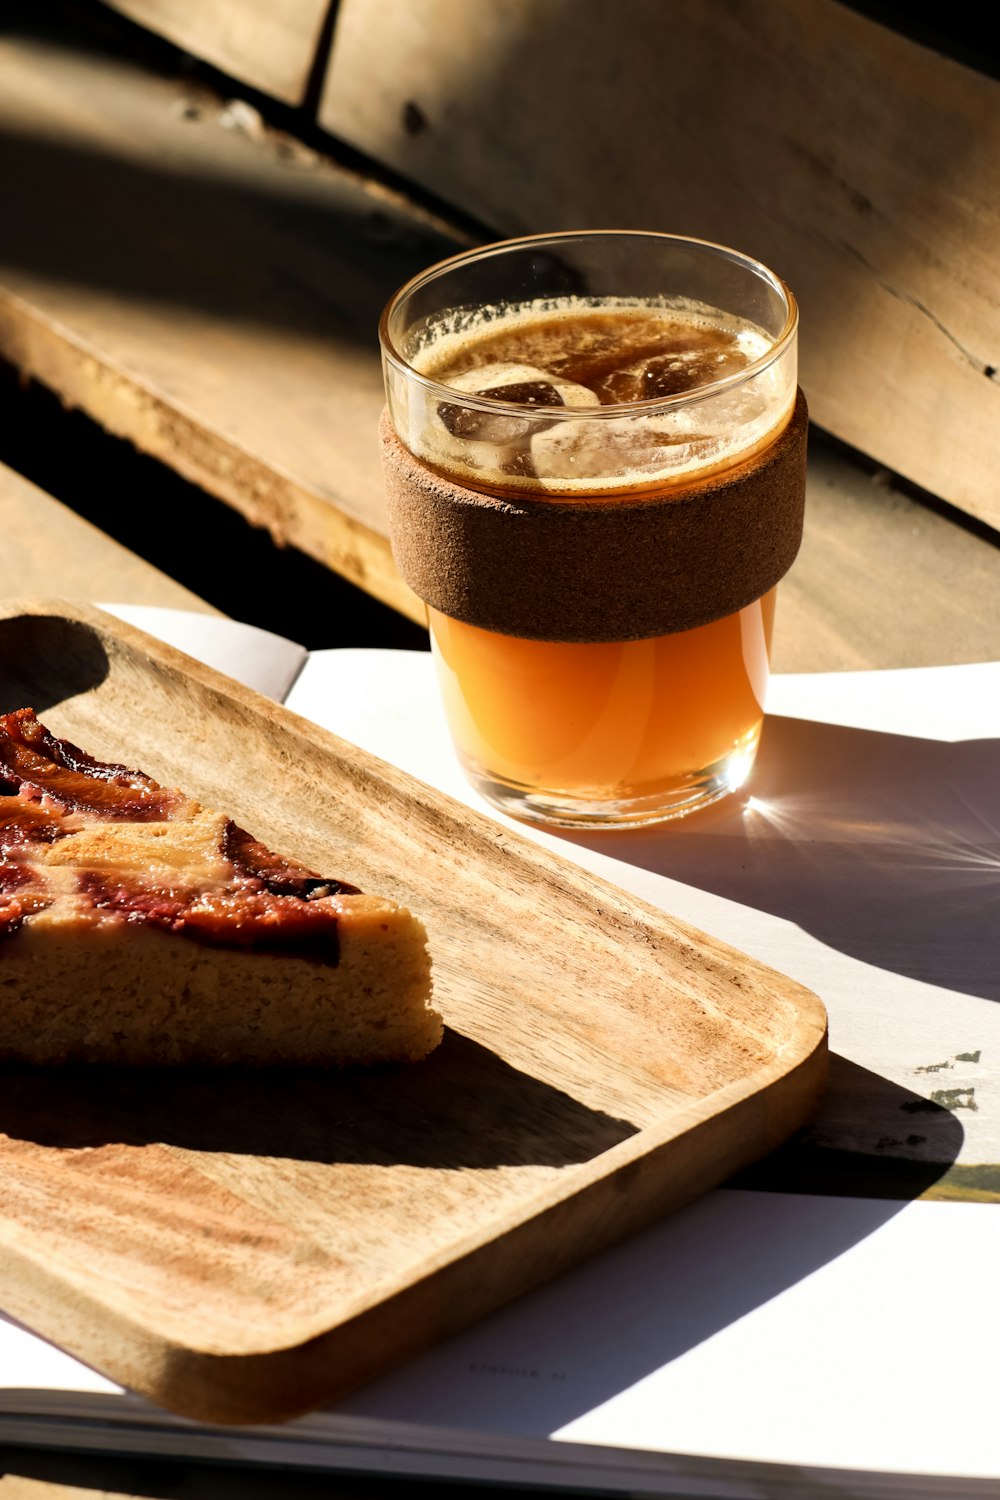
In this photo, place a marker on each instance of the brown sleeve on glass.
(609, 570)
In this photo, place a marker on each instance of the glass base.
(627, 807)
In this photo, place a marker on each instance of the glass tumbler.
(594, 451)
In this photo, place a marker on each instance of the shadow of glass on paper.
(883, 846)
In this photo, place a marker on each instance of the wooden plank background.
(211, 295)
(269, 44)
(208, 294)
(862, 167)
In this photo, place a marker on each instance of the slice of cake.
(138, 927)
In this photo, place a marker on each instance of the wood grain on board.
(862, 167)
(245, 1244)
(47, 547)
(272, 47)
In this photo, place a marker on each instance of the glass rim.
(496, 404)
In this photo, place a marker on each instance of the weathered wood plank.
(212, 298)
(863, 167)
(48, 549)
(882, 580)
(272, 47)
(210, 295)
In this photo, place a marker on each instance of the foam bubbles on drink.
(685, 364)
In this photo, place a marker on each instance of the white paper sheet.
(865, 863)
(804, 1330)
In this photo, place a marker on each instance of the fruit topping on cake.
(139, 927)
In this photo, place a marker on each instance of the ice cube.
(584, 450)
(632, 450)
(526, 385)
(681, 364)
(625, 449)
(501, 381)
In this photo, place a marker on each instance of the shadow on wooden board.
(474, 1109)
(204, 238)
(271, 47)
(209, 294)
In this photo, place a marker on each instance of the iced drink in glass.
(594, 454)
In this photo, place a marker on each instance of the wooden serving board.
(241, 1246)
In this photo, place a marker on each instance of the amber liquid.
(626, 722)
(622, 732)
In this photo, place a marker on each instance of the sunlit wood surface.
(48, 549)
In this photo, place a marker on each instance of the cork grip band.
(611, 570)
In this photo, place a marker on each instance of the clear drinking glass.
(595, 465)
